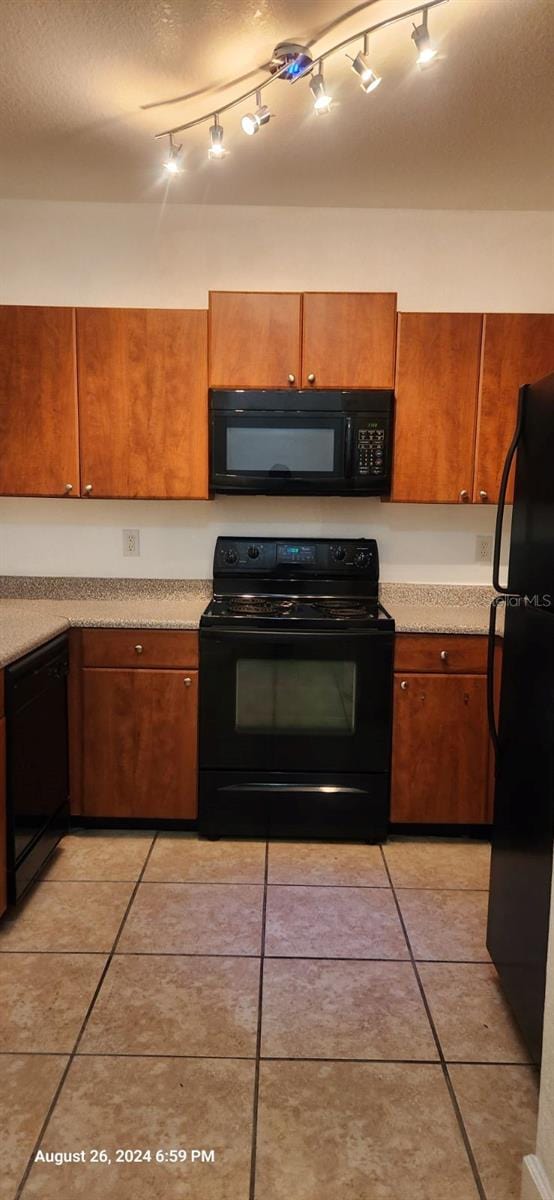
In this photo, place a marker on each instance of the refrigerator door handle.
(490, 673)
(502, 496)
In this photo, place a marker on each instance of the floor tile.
(316, 1009)
(499, 1108)
(151, 1004)
(91, 855)
(344, 864)
(366, 1131)
(195, 918)
(438, 863)
(186, 858)
(27, 1085)
(326, 922)
(44, 999)
(446, 925)
(67, 916)
(471, 1015)
(165, 1103)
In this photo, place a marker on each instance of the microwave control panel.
(371, 449)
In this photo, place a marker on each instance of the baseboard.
(535, 1185)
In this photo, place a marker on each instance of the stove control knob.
(361, 558)
(339, 553)
(253, 552)
(231, 556)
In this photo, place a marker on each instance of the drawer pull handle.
(292, 378)
(187, 681)
(138, 649)
(483, 495)
(444, 655)
(68, 488)
(464, 495)
(404, 684)
(311, 377)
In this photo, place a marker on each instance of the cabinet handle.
(444, 655)
(68, 488)
(187, 681)
(483, 495)
(138, 649)
(88, 489)
(292, 378)
(311, 377)
(464, 495)
(404, 684)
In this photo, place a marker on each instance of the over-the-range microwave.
(293, 443)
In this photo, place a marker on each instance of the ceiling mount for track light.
(291, 60)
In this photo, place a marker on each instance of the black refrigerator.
(523, 822)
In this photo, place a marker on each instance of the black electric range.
(296, 660)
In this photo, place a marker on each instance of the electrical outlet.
(483, 548)
(131, 543)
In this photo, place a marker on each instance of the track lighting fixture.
(173, 163)
(292, 61)
(251, 122)
(217, 149)
(322, 101)
(368, 79)
(425, 49)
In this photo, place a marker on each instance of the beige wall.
(146, 255)
(538, 1173)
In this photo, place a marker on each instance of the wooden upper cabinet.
(254, 339)
(38, 402)
(348, 339)
(143, 402)
(437, 377)
(518, 348)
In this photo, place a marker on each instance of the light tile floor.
(324, 1018)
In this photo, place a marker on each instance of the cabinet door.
(348, 339)
(437, 375)
(3, 877)
(139, 743)
(440, 749)
(38, 402)
(143, 402)
(517, 348)
(254, 339)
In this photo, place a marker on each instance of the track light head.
(322, 101)
(420, 37)
(173, 163)
(217, 149)
(251, 122)
(368, 79)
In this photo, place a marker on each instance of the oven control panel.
(371, 449)
(288, 557)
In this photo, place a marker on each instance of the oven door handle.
(279, 635)
(290, 787)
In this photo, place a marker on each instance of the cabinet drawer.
(140, 648)
(438, 652)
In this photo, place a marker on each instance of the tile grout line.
(371, 887)
(65, 1072)
(443, 1064)
(252, 1188)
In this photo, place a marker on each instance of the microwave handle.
(349, 468)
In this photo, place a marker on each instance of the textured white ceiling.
(475, 131)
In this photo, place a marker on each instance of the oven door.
(275, 452)
(295, 701)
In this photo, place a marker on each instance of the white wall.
(145, 255)
(538, 1169)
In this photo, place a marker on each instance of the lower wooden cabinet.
(3, 875)
(134, 724)
(139, 743)
(441, 749)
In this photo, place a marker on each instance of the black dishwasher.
(37, 761)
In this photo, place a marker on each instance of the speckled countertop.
(34, 610)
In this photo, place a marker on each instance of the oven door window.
(286, 446)
(295, 696)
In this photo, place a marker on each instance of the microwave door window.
(294, 696)
(280, 451)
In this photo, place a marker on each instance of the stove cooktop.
(304, 611)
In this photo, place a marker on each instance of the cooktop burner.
(297, 607)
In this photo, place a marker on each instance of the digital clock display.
(295, 553)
